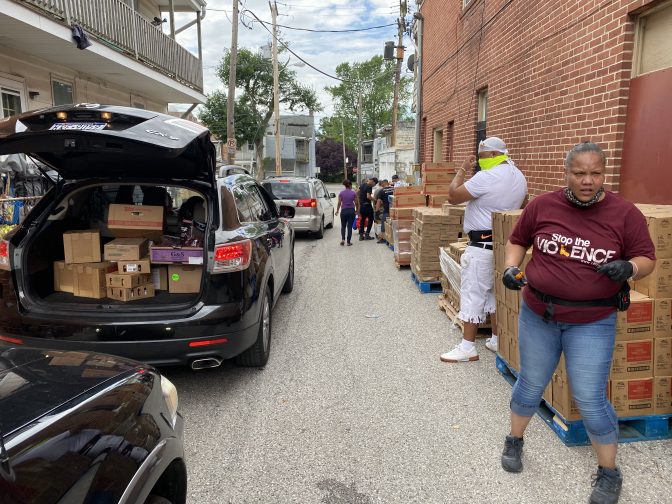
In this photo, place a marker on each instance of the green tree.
(254, 106)
(373, 80)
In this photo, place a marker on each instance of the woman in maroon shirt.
(586, 244)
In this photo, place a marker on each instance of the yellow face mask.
(490, 163)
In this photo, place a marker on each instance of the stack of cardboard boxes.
(402, 203)
(436, 179)
(432, 229)
(132, 267)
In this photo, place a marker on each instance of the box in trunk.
(135, 218)
(184, 279)
(139, 266)
(64, 277)
(132, 294)
(176, 255)
(126, 249)
(90, 279)
(126, 280)
(81, 246)
(160, 277)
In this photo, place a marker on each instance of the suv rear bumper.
(306, 224)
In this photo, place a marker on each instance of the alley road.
(354, 406)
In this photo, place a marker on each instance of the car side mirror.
(332, 195)
(286, 211)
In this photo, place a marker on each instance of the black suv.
(219, 304)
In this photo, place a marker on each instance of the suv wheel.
(333, 219)
(257, 355)
(289, 283)
(320, 233)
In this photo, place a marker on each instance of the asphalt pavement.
(355, 406)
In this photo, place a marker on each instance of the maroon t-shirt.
(570, 242)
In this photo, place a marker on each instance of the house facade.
(547, 75)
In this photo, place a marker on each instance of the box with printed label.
(662, 314)
(637, 322)
(127, 280)
(90, 279)
(64, 277)
(139, 266)
(409, 200)
(662, 392)
(662, 356)
(659, 283)
(160, 277)
(184, 279)
(440, 166)
(126, 249)
(660, 228)
(632, 397)
(407, 190)
(132, 294)
(176, 255)
(632, 359)
(435, 188)
(135, 217)
(437, 177)
(81, 246)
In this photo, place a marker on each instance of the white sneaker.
(458, 354)
(493, 347)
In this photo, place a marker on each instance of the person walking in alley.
(383, 202)
(498, 186)
(365, 194)
(570, 301)
(347, 200)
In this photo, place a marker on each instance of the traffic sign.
(231, 143)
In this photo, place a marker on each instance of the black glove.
(513, 278)
(619, 271)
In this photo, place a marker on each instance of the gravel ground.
(354, 406)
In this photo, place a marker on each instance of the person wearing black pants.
(347, 199)
(365, 194)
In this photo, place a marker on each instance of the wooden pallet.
(402, 264)
(451, 312)
(573, 433)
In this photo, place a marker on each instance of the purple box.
(176, 255)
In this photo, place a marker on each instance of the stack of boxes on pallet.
(402, 203)
(132, 267)
(641, 374)
(436, 179)
(432, 229)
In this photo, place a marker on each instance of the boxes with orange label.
(662, 392)
(409, 200)
(632, 397)
(632, 359)
(662, 314)
(90, 279)
(132, 294)
(126, 280)
(81, 246)
(637, 322)
(139, 220)
(184, 279)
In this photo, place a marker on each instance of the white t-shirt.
(499, 189)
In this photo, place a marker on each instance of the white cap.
(492, 144)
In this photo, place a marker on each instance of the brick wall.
(557, 73)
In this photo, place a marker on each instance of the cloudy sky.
(322, 50)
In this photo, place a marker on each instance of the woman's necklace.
(573, 199)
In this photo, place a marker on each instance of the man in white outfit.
(497, 186)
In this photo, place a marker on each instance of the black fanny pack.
(620, 300)
(484, 235)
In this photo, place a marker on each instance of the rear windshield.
(288, 190)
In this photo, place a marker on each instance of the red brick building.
(546, 74)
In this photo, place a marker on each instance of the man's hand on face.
(469, 165)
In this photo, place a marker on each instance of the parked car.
(218, 306)
(313, 204)
(79, 427)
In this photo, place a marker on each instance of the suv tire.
(257, 355)
(289, 283)
(320, 232)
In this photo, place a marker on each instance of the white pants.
(477, 293)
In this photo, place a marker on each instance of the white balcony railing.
(115, 24)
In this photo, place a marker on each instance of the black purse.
(623, 297)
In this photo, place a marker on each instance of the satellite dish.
(410, 62)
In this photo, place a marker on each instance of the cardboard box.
(409, 200)
(176, 255)
(637, 322)
(401, 213)
(435, 188)
(662, 356)
(659, 223)
(407, 190)
(81, 246)
(659, 283)
(662, 393)
(132, 294)
(184, 279)
(126, 249)
(440, 166)
(127, 280)
(139, 266)
(438, 177)
(64, 277)
(632, 359)
(139, 218)
(562, 400)
(437, 201)
(632, 397)
(662, 318)
(90, 279)
(160, 277)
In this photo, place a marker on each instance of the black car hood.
(98, 141)
(34, 382)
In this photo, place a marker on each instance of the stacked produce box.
(402, 203)
(436, 178)
(432, 229)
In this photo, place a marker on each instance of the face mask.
(489, 163)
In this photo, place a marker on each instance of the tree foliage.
(254, 106)
(329, 157)
(373, 80)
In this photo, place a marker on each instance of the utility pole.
(397, 72)
(359, 139)
(276, 90)
(345, 165)
(231, 97)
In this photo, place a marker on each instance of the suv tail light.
(232, 256)
(306, 203)
(4, 255)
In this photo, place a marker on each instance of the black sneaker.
(367, 237)
(361, 237)
(606, 485)
(513, 450)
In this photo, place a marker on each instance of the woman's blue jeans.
(347, 218)
(588, 350)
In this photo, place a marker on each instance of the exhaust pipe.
(208, 362)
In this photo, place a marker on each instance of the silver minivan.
(314, 205)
